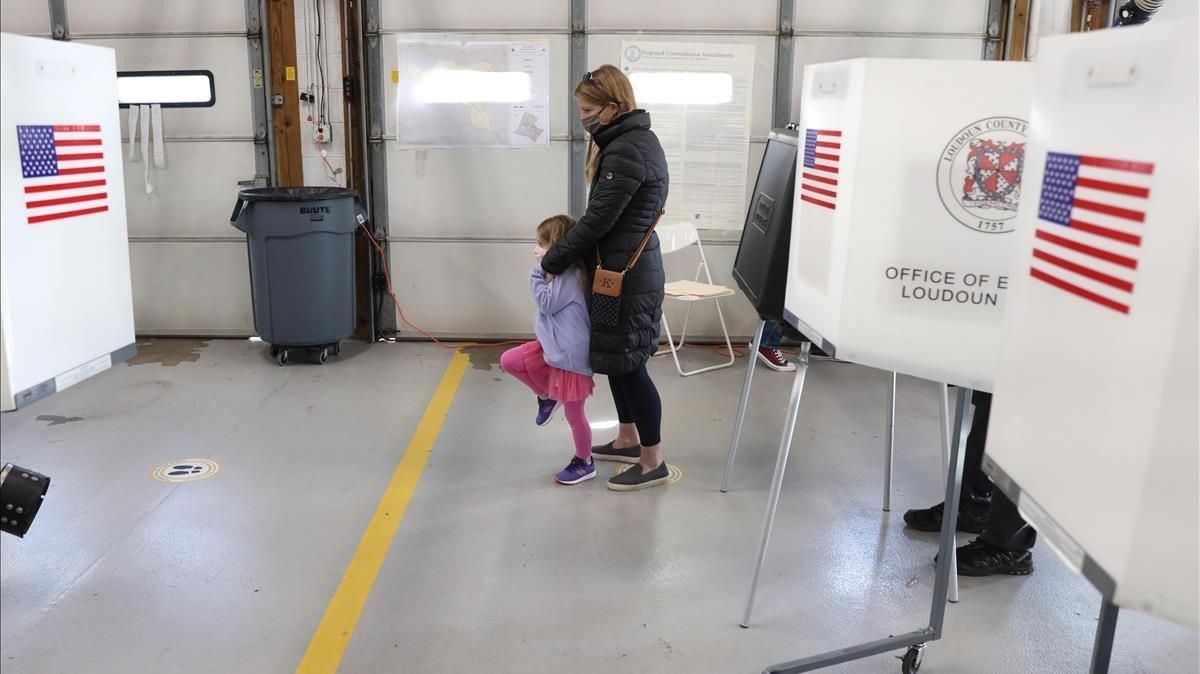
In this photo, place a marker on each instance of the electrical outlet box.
(321, 135)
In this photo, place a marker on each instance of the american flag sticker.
(62, 167)
(819, 179)
(1092, 214)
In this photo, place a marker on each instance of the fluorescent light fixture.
(675, 88)
(473, 86)
(603, 425)
(179, 89)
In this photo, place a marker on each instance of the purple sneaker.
(577, 471)
(546, 410)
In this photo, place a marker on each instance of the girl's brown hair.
(556, 227)
(604, 85)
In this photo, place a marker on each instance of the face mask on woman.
(592, 123)
(538, 253)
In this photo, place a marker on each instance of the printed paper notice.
(698, 96)
(473, 94)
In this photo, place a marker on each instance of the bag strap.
(645, 240)
(641, 247)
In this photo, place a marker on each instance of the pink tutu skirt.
(564, 386)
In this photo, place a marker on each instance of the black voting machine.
(761, 266)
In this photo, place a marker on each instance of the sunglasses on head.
(587, 77)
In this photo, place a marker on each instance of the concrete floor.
(494, 568)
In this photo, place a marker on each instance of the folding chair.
(672, 239)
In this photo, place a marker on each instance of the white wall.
(461, 220)
(189, 265)
(25, 17)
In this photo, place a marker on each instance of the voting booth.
(906, 206)
(907, 188)
(1094, 426)
(66, 307)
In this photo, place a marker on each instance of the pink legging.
(513, 362)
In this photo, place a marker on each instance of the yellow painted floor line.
(329, 643)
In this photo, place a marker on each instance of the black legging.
(638, 403)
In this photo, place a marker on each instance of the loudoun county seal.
(979, 174)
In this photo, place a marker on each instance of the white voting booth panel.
(66, 308)
(1094, 426)
(906, 197)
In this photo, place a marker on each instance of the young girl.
(555, 366)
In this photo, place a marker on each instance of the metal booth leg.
(889, 441)
(785, 446)
(741, 415)
(944, 431)
(1105, 633)
(914, 641)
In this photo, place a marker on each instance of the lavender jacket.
(562, 324)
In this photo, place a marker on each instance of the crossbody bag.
(605, 304)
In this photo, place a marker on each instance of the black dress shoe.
(930, 519)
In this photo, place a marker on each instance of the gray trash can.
(300, 241)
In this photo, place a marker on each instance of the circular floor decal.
(187, 470)
(674, 473)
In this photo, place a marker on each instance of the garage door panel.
(193, 195)
(228, 60)
(810, 50)
(155, 16)
(472, 14)
(25, 17)
(475, 192)
(490, 293)
(893, 16)
(683, 15)
(559, 63)
(607, 49)
(200, 288)
(468, 288)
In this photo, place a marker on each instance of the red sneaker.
(773, 358)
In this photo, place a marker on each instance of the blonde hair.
(604, 85)
(556, 227)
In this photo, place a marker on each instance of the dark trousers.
(1006, 529)
(638, 402)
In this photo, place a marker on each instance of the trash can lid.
(295, 193)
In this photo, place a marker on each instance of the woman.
(628, 173)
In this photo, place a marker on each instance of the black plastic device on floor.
(21, 494)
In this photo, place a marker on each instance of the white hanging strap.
(133, 126)
(145, 115)
(160, 152)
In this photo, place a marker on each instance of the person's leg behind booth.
(977, 489)
(1004, 547)
(768, 349)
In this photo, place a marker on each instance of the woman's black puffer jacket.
(628, 190)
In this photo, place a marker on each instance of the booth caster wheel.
(324, 357)
(911, 662)
(337, 349)
(275, 351)
(283, 357)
